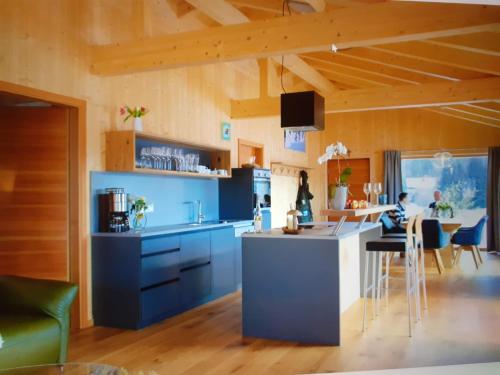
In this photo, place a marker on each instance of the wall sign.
(225, 129)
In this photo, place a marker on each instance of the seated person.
(437, 199)
(398, 215)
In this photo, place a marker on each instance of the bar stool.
(418, 239)
(386, 246)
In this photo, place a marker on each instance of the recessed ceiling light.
(334, 48)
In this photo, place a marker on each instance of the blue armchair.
(469, 238)
(435, 240)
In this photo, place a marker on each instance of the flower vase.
(340, 198)
(139, 222)
(138, 124)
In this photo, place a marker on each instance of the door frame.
(78, 193)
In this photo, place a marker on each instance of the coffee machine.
(113, 211)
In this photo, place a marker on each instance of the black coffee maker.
(113, 211)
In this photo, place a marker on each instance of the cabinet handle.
(160, 252)
(195, 266)
(160, 284)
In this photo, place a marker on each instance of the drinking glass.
(196, 162)
(377, 189)
(367, 189)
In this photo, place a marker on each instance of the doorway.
(43, 189)
(360, 174)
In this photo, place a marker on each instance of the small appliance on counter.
(243, 192)
(113, 211)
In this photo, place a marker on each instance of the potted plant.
(137, 113)
(138, 208)
(337, 193)
(444, 210)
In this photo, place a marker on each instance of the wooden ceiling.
(443, 58)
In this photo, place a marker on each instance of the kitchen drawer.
(160, 301)
(159, 244)
(195, 249)
(196, 284)
(159, 267)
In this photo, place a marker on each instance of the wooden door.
(34, 157)
(360, 175)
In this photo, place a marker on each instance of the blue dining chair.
(469, 238)
(435, 240)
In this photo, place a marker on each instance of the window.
(462, 184)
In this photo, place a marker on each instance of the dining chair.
(435, 240)
(469, 238)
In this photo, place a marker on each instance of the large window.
(462, 183)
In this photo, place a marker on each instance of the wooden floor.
(462, 325)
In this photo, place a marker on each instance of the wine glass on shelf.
(367, 189)
(377, 189)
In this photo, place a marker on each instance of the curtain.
(493, 199)
(393, 182)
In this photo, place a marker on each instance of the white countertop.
(175, 229)
(321, 231)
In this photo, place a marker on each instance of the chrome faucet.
(200, 216)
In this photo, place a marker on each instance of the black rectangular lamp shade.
(302, 111)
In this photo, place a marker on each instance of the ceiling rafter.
(444, 55)
(382, 23)
(227, 14)
(448, 112)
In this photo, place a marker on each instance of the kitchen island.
(295, 287)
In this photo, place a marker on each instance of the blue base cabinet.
(139, 281)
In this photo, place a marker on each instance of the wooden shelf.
(358, 211)
(121, 153)
(176, 173)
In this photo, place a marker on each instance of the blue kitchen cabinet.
(223, 261)
(138, 281)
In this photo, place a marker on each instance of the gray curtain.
(393, 182)
(493, 199)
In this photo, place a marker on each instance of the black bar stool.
(386, 246)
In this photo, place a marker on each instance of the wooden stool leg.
(422, 266)
(408, 288)
(365, 287)
(374, 273)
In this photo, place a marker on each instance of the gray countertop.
(320, 231)
(176, 229)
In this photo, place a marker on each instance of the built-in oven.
(262, 187)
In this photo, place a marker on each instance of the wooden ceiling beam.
(303, 70)
(450, 113)
(485, 43)
(370, 67)
(226, 14)
(444, 55)
(430, 69)
(346, 27)
(405, 96)
(472, 111)
(489, 106)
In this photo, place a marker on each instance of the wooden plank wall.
(34, 192)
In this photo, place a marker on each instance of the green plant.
(138, 206)
(443, 206)
(344, 176)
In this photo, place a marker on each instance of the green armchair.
(34, 321)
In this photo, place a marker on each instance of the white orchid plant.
(333, 150)
(336, 150)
